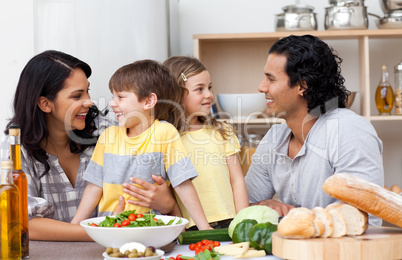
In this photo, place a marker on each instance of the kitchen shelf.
(236, 60)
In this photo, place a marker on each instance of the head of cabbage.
(261, 214)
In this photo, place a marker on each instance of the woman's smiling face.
(72, 103)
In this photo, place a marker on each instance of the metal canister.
(398, 88)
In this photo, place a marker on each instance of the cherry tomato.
(192, 247)
(198, 251)
(125, 222)
(117, 225)
(172, 258)
(156, 219)
(140, 215)
(94, 225)
(199, 244)
(216, 243)
(132, 217)
(178, 257)
(204, 241)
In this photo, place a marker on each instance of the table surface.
(45, 250)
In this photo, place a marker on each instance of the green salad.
(130, 219)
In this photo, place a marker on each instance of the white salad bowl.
(156, 236)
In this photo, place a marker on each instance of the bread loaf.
(319, 227)
(325, 218)
(338, 222)
(298, 223)
(356, 220)
(366, 196)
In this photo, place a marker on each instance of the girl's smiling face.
(199, 98)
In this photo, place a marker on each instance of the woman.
(59, 129)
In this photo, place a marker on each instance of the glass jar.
(398, 88)
(248, 144)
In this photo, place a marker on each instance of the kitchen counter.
(44, 250)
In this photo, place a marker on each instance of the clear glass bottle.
(10, 228)
(384, 96)
(398, 88)
(249, 147)
(20, 180)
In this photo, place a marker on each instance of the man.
(303, 85)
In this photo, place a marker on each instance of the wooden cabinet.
(236, 63)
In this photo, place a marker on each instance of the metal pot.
(347, 2)
(391, 20)
(346, 18)
(390, 5)
(296, 18)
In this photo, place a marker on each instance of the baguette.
(325, 218)
(366, 196)
(356, 220)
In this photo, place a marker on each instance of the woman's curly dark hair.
(312, 60)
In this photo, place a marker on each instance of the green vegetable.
(146, 221)
(261, 236)
(191, 237)
(259, 213)
(206, 255)
(242, 230)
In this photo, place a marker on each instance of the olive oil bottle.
(10, 229)
(20, 180)
(384, 96)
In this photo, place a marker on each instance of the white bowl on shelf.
(156, 236)
(242, 106)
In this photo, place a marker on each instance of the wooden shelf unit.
(236, 60)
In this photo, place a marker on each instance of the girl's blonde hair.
(148, 76)
(183, 67)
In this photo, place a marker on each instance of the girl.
(145, 97)
(212, 146)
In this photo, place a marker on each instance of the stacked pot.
(346, 15)
(296, 18)
(393, 14)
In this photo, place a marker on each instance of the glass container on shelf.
(398, 88)
(384, 96)
(248, 144)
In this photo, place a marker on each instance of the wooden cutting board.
(376, 243)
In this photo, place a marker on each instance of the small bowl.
(242, 106)
(160, 253)
(156, 236)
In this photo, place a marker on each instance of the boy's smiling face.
(128, 109)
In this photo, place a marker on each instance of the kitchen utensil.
(375, 243)
(347, 2)
(156, 236)
(296, 18)
(242, 106)
(346, 18)
(391, 5)
(391, 20)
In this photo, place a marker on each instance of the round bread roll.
(298, 223)
(396, 189)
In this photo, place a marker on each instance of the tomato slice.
(94, 225)
(116, 225)
(140, 215)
